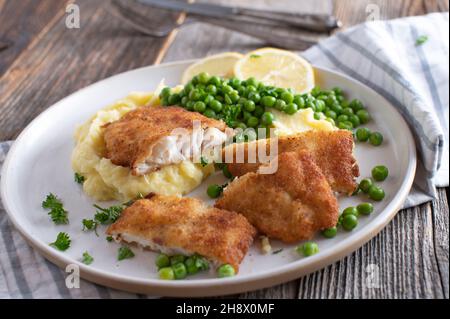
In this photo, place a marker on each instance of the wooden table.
(45, 61)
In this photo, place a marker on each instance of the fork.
(155, 22)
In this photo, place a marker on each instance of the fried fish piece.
(144, 140)
(331, 150)
(290, 204)
(175, 225)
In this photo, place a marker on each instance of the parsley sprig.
(124, 253)
(421, 40)
(62, 241)
(79, 178)
(87, 259)
(57, 212)
(90, 224)
(108, 215)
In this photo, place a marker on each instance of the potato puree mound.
(106, 181)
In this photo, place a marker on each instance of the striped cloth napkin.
(381, 54)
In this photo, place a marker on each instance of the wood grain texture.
(46, 61)
(60, 61)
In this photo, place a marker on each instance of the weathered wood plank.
(21, 22)
(65, 60)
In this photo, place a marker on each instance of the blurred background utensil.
(304, 21)
(147, 20)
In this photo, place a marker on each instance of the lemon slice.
(277, 68)
(221, 64)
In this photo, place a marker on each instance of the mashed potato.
(301, 121)
(106, 181)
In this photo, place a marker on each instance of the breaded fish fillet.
(185, 226)
(331, 150)
(142, 138)
(291, 204)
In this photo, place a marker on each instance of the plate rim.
(208, 287)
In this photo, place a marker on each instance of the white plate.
(39, 163)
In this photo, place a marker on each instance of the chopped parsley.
(79, 178)
(254, 56)
(277, 251)
(90, 224)
(62, 241)
(203, 161)
(87, 259)
(125, 253)
(108, 215)
(57, 212)
(421, 40)
(230, 114)
(109, 239)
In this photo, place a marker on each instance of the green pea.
(356, 105)
(317, 115)
(226, 172)
(228, 99)
(300, 101)
(365, 185)
(166, 273)
(310, 105)
(347, 111)
(191, 266)
(241, 125)
(250, 89)
(329, 232)
(211, 89)
(195, 95)
(184, 101)
(328, 119)
(252, 81)
(337, 90)
(342, 118)
(225, 270)
(226, 89)
(349, 222)
(376, 193)
(176, 259)
(179, 271)
(215, 105)
(350, 211)
(254, 96)
(165, 101)
(214, 190)
(241, 90)
(268, 101)
(322, 97)
(249, 106)
(209, 113)
(203, 78)
(363, 116)
(234, 96)
(376, 139)
(267, 118)
(208, 99)
(252, 121)
(291, 108)
(331, 114)
(259, 110)
(246, 115)
(215, 80)
(287, 97)
(362, 134)
(190, 105)
(380, 173)
(354, 120)
(202, 263)
(162, 261)
(234, 82)
(315, 91)
(345, 125)
(308, 249)
(320, 105)
(331, 100)
(188, 88)
(174, 99)
(337, 108)
(365, 208)
(280, 105)
(199, 106)
(165, 92)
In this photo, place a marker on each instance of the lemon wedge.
(277, 68)
(221, 64)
